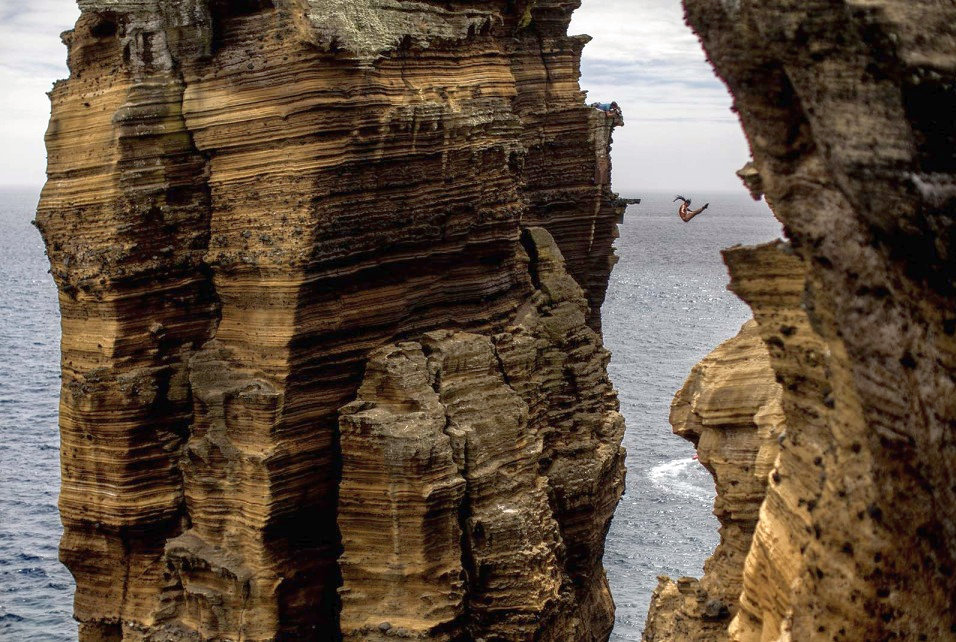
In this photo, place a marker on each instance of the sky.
(680, 134)
(31, 58)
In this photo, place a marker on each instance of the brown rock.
(530, 487)
(245, 200)
(848, 113)
(771, 279)
(730, 409)
(399, 504)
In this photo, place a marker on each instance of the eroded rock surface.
(246, 200)
(771, 278)
(461, 449)
(730, 409)
(848, 109)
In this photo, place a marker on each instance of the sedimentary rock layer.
(245, 200)
(771, 278)
(848, 110)
(730, 409)
(471, 506)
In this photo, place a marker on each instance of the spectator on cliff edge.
(611, 108)
(615, 118)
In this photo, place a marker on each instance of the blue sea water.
(36, 591)
(667, 307)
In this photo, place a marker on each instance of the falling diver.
(685, 213)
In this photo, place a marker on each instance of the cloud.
(32, 57)
(680, 132)
(642, 55)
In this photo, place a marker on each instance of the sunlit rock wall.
(245, 200)
(458, 449)
(848, 109)
(731, 409)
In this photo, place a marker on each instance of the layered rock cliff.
(730, 409)
(848, 109)
(462, 470)
(287, 238)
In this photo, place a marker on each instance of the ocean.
(667, 307)
(36, 591)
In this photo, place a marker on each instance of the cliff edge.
(731, 409)
(848, 110)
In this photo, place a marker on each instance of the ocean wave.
(683, 477)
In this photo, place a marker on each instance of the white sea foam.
(682, 477)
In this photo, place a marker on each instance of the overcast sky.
(680, 134)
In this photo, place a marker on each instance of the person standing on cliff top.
(684, 212)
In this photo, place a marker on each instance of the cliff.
(294, 250)
(771, 278)
(848, 111)
(453, 456)
(730, 409)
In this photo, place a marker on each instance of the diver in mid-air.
(685, 213)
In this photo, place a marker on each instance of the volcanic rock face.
(730, 409)
(248, 202)
(848, 109)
